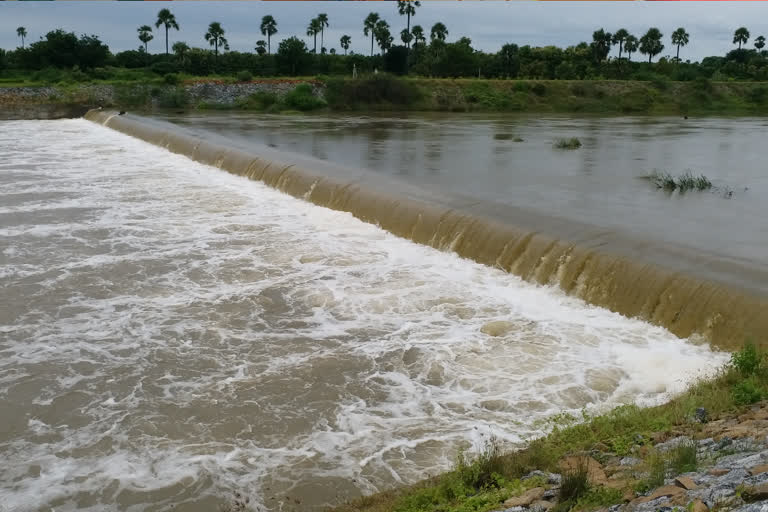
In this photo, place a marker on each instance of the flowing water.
(171, 334)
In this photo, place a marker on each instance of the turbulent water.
(171, 334)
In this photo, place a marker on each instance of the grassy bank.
(388, 93)
(484, 482)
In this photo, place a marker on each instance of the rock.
(698, 506)
(667, 490)
(630, 461)
(706, 442)
(595, 472)
(541, 505)
(672, 443)
(701, 415)
(514, 509)
(718, 471)
(756, 493)
(686, 483)
(526, 498)
(549, 494)
(617, 483)
(762, 468)
(498, 328)
(534, 474)
(754, 507)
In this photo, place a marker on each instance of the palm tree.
(164, 17)
(261, 47)
(180, 48)
(438, 32)
(215, 37)
(407, 8)
(313, 29)
(406, 37)
(630, 45)
(22, 33)
(344, 41)
(323, 19)
(650, 43)
(145, 36)
(601, 44)
(679, 38)
(369, 26)
(759, 42)
(268, 28)
(741, 36)
(619, 37)
(383, 36)
(418, 35)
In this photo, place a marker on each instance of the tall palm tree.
(418, 35)
(407, 8)
(650, 43)
(268, 28)
(406, 37)
(145, 36)
(680, 38)
(215, 37)
(164, 17)
(22, 33)
(323, 19)
(344, 41)
(369, 26)
(631, 45)
(741, 36)
(313, 29)
(383, 36)
(601, 44)
(619, 37)
(438, 32)
(759, 42)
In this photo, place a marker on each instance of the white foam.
(195, 331)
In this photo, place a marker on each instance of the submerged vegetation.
(683, 183)
(572, 143)
(484, 482)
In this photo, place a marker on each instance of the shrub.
(521, 86)
(572, 143)
(302, 98)
(173, 98)
(163, 68)
(539, 89)
(244, 76)
(171, 79)
(375, 89)
(747, 361)
(258, 101)
(478, 473)
(575, 484)
(747, 391)
(683, 457)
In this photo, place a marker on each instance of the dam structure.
(692, 293)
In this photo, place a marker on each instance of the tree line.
(419, 54)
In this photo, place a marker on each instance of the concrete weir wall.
(686, 304)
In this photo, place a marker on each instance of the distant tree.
(268, 28)
(619, 37)
(180, 49)
(323, 19)
(369, 27)
(165, 18)
(292, 56)
(418, 35)
(631, 45)
(601, 44)
(406, 37)
(679, 38)
(759, 42)
(145, 35)
(650, 43)
(438, 32)
(383, 36)
(215, 37)
(741, 36)
(22, 33)
(508, 55)
(345, 41)
(313, 29)
(333, 51)
(407, 8)
(261, 47)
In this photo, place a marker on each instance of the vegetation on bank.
(484, 482)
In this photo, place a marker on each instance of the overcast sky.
(488, 24)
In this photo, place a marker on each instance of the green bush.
(747, 361)
(373, 89)
(244, 76)
(173, 98)
(683, 457)
(302, 98)
(48, 75)
(171, 79)
(163, 68)
(259, 101)
(572, 143)
(539, 89)
(478, 473)
(748, 391)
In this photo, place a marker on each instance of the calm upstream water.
(476, 159)
(171, 334)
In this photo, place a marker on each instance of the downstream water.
(475, 158)
(171, 334)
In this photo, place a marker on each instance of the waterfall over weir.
(689, 293)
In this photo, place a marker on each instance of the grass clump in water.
(683, 183)
(572, 143)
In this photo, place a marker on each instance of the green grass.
(572, 143)
(683, 183)
(483, 483)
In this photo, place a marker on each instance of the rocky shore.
(730, 456)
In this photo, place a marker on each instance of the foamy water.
(171, 334)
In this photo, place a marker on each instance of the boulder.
(525, 499)
(686, 483)
(595, 472)
(762, 468)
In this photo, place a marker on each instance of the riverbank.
(387, 93)
(704, 450)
